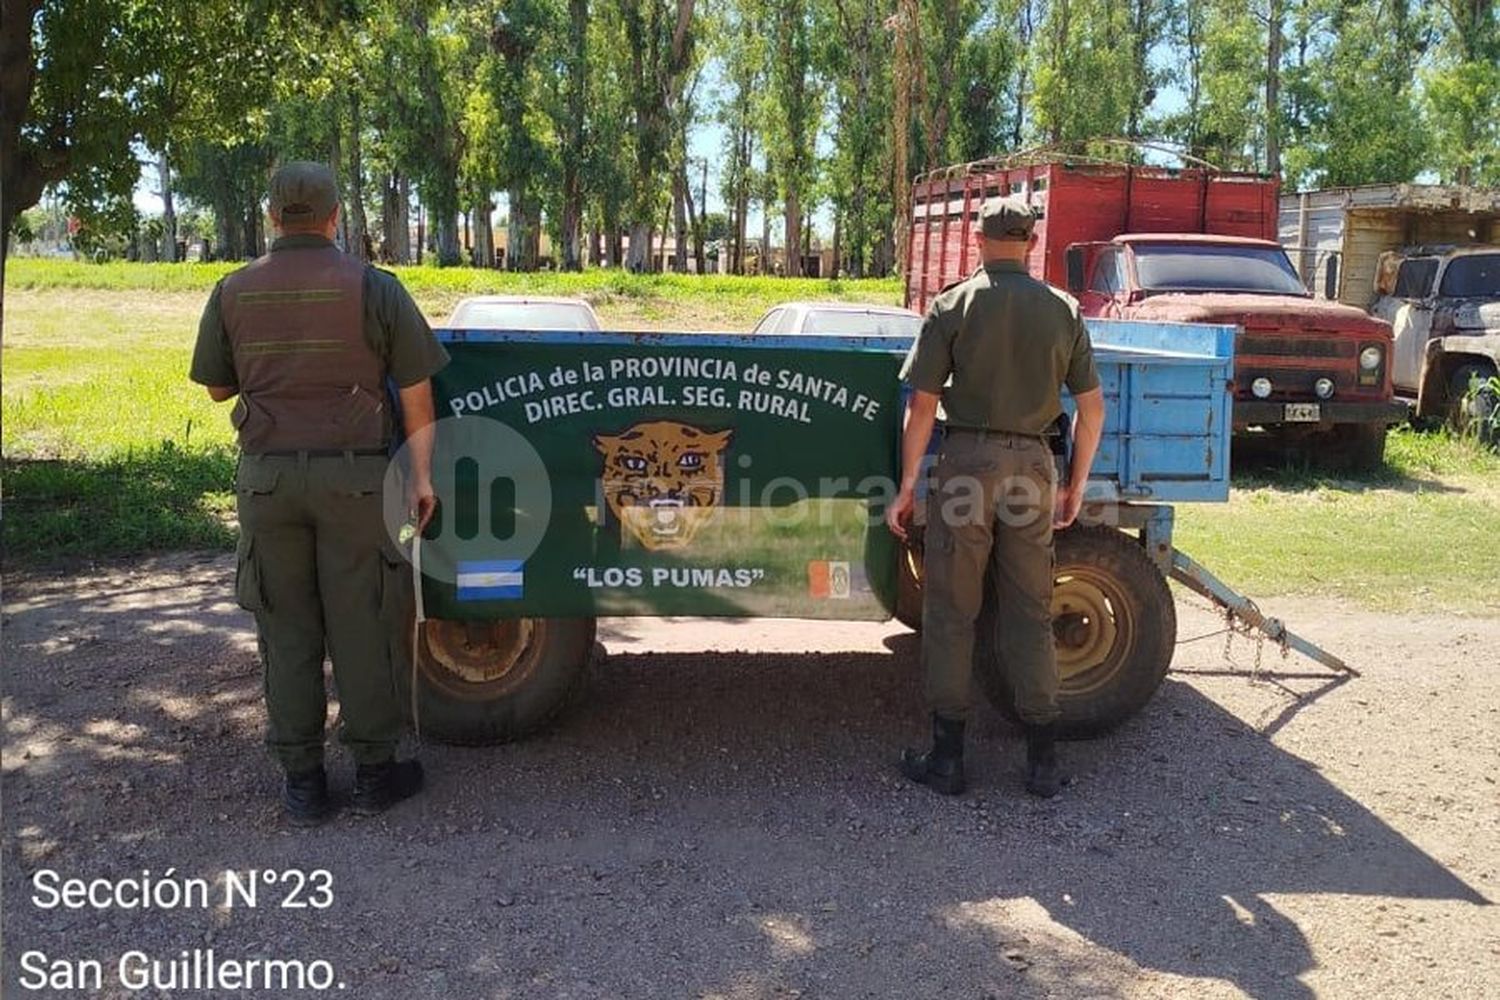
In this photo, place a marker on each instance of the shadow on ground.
(702, 825)
(155, 498)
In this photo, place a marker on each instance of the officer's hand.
(421, 502)
(1066, 507)
(899, 512)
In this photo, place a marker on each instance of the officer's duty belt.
(987, 433)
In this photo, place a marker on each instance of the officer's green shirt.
(1009, 343)
(394, 328)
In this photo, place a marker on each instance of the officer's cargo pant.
(318, 570)
(991, 507)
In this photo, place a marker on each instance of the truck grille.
(1300, 346)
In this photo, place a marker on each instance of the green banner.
(663, 475)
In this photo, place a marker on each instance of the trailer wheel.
(909, 587)
(482, 682)
(1115, 627)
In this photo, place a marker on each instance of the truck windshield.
(1414, 281)
(1204, 267)
(1473, 276)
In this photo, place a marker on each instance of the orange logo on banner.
(818, 579)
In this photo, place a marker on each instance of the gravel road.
(721, 818)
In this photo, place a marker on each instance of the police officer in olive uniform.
(996, 351)
(307, 338)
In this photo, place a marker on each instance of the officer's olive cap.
(303, 191)
(1006, 219)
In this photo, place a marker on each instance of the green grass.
(661, 298)
(110, 451)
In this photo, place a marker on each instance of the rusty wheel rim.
(1087, 619)
(481, 660)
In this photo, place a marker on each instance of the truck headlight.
(1370, 358)
(1324, 388)
(1261, 387)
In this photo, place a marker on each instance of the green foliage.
(1091, 68)
(578, 114)
(27, 274)
(1481, 411)
(1352, 109)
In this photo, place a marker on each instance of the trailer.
(590, 474)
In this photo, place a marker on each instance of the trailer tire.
(485, 682)
(909, 586)
(1115, 626)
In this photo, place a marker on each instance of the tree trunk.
(793, 215)
(445, 239)
(387, 219)
(838, 219)
(489, 234)
(1027, 29)
(679, 224)
(403, 222)
(225, 230)
(765, 235)
(659, 262)
(571, 228)
(247, 221)
(359, 226)
(638, 254)
(168, 214)
(515, 233)
(696, 211)
(483, 250)
(1273, 89)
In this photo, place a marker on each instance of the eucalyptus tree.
(1461, 90)
(660, 38)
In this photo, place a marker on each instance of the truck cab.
(1302, 366)
(1193, 244)
(1443, 304)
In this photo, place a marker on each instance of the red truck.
(1192, 245)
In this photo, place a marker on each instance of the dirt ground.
(720, 818)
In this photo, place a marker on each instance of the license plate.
(1302, 413)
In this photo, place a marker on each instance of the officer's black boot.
(942, 767)
(1042, 775)
(305, 797)
(377, 787)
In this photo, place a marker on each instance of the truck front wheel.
(1359, 447)
(1114, 624)
(482, 682)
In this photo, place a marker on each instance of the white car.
(522, 312)
(856, 319)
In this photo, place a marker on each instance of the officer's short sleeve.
(412, 352)
(930, 361)
(213, 360)
(1082, 375)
